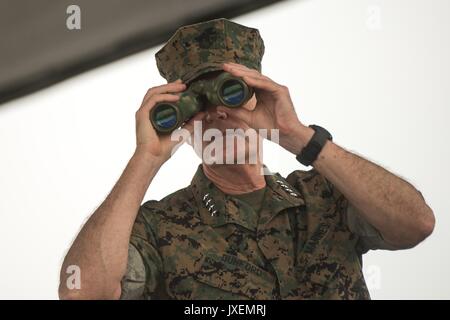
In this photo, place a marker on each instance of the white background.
(375, 73)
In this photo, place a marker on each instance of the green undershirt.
(254, 199)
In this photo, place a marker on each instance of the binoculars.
(225, 90)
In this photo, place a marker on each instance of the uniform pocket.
(236, 276)
(317, 279)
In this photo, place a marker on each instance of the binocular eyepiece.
(225, 90)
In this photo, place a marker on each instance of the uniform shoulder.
(311, 183)
(304, 175)
(178, 202)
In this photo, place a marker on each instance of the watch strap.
(312, 149)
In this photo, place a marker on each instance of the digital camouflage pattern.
(203, 47)
(199, 243)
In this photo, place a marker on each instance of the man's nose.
(214, 114)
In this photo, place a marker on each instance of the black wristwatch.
(311, 151)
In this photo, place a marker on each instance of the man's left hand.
(274, 108)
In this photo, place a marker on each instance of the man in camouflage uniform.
(234, 233)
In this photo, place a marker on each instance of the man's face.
(226, 138)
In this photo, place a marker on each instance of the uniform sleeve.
(133, 283)
(369, 237)
(144, 267)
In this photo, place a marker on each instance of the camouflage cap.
(203, 47)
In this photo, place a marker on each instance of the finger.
(153, 100)
(236, 69)
(166, 87)
(173, 87)
(242, 73)
(261, 83)
(255, 79)
(237, 65)
(241, 68)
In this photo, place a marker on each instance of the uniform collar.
(217, 208)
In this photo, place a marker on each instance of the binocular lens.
(224, 89)
(233, 92)
(165, 116)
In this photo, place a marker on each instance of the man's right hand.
(147, 139)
